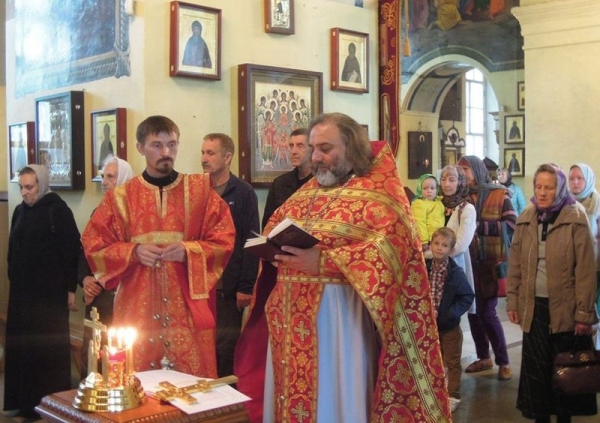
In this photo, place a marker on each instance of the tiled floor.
(484, 398)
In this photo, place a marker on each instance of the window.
(475, 113)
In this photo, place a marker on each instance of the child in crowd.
(427, 209)
(452, 296)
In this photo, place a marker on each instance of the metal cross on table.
(171, 391)
(96, 341)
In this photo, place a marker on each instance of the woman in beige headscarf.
(42, 268)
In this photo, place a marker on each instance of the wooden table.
(59, 408)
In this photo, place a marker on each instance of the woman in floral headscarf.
(582, 184)
(460, 216)
(551, 294)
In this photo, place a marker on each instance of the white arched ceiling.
(428, 85)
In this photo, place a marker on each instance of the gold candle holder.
(117, 388)
(94, 395)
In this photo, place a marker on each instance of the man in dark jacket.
(285, 185)
(234, 289)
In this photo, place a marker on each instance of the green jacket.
(570, 269)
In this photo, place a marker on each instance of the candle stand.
(116, 388)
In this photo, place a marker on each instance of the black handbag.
(577, 372)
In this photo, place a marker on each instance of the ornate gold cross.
(171, 391)
(96, 341)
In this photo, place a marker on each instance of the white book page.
(218, 396)
(281, 226)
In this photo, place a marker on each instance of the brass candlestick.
(117, 388)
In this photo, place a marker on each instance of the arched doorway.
(454, 97)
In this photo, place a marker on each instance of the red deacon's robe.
(168, 305)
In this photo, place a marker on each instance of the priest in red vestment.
(351, 328)
(163, 239)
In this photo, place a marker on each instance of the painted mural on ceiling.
(60, 43)
(483, 30)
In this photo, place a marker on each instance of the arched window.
(475, 113)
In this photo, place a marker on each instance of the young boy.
(452, 296)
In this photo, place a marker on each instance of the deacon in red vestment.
(164, 239)
(351, 328)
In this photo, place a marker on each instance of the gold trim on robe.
(369, 240)
(188, 211)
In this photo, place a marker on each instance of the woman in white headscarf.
(115, 172)
(42, 269)
(582, 184)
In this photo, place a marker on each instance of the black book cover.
(286, 233)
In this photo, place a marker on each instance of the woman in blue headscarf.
(582, 184)
(551, 293)
(516, 193)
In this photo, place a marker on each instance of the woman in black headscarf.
(42, 268)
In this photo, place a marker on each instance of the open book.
(286, 233)
(221, 399)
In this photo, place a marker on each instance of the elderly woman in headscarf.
(582, 184)
(115, 172)
(551, 293)
(495, 215)
(42, 268)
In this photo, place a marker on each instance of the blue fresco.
(470, 28)
(60, 43)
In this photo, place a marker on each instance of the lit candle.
(110, 335)
(116, 367)
(104, 356)
(120, 335)
(130, 336)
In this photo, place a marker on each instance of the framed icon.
(272, 103)
(514, 129)
(521, 96)
(60, 137)
(514, 161)
(419, 153)
(279, 16)
(21, 147)
(349, 60)
(195, 48)
(109, 137)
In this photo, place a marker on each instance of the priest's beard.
(330, 177)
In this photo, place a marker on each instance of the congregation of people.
(364, 326)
